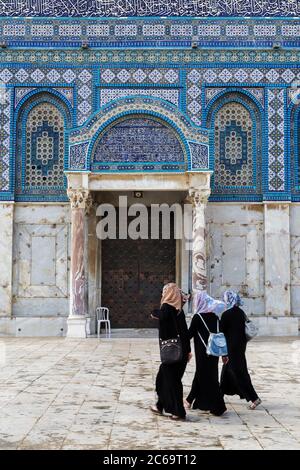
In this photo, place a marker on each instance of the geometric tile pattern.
(68, 93)
(276, 146)
(122, 76)
(199, 156)
(235, 77)
(5, 137)
(184, 79)
(152, 32)
(257, 93)
(233, 146)
(161, 57)
(210, 93)
(40, 149)
(237, 150)
(55, 76)
(295, 150)
(194, 105)
(78, 156)
(110, 94)
(20, 93)
(44, 162)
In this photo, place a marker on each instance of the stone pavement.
(58, 393)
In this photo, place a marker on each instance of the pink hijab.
(171, 295)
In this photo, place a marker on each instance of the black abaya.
(235, 378)
(205, 393)
(168, 381)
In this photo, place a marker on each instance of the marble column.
(80, 204)
(199, 199)
(92, 265)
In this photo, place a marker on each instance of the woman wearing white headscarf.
(235, 378)
(205, 393)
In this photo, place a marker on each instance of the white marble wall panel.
(41, 326)
(6, 247)
(235, 252)
(277, 260)
(41, 260)
(295, 258)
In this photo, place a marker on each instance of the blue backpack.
(216, 345)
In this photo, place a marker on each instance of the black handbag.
(171, 349)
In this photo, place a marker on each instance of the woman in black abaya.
(235, 378)
(168, 381)
(205, 393)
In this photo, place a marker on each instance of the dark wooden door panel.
(133, 274)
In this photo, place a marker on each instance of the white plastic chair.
(102, 314)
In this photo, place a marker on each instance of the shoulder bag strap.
(203, 322)
(176, 324)
(200, 336)
(204, 344)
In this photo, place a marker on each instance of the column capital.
(80, 199)
(198, 196)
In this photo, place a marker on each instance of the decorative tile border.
(151, 32)
(276, 142)
(149, 8)
(139, 76)
(154, 57)
(5, 141)
(111, 94)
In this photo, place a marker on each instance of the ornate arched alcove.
(141, 135)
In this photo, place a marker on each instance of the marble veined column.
(199, 199)
(80, 203)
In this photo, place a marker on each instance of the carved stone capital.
(80, 199)
(198, 196)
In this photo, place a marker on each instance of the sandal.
(254, 404)
(155, 410)
(177, 418)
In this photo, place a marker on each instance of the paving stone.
(61, 393)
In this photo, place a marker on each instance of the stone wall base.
(80, 328)
(34, 326)
(277, 326)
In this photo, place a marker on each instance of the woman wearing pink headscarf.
(168, 381)
(205, 393)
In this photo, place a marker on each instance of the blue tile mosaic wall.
(111, 8)
(41, 149)
(237, 123)
(294, 150)
(192, 85)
